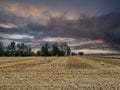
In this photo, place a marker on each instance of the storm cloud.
(104, 27)
(35, 25)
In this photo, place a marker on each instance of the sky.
(88, 26)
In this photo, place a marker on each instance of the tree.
(19, 50)
(1, 49)
(32, 53)
(73, 53)
(55, 50)
(62, 53)
(66, 49)
(11, 49)
(23, 50)
(80, 53)
(45, 50)
(38, 53)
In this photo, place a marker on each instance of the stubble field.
(60, 73)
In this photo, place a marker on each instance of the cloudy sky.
(89, 26)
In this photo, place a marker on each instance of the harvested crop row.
(106, 60)
(29, 62)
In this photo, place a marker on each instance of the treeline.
(14, 49)
(54, 50)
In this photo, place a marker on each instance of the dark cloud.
(103, 27)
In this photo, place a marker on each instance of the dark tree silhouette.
(1, 49)
(24, 50)
(55, 50)
(66, 49)
(45, 50)
(38, 53)
(11, 49)
(80, 53)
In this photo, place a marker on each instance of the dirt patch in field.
(74, 63)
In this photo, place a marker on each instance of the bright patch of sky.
(8, 25)
(15, 36)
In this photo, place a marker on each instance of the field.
(60, 73)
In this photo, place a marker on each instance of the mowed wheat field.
(60, 73)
